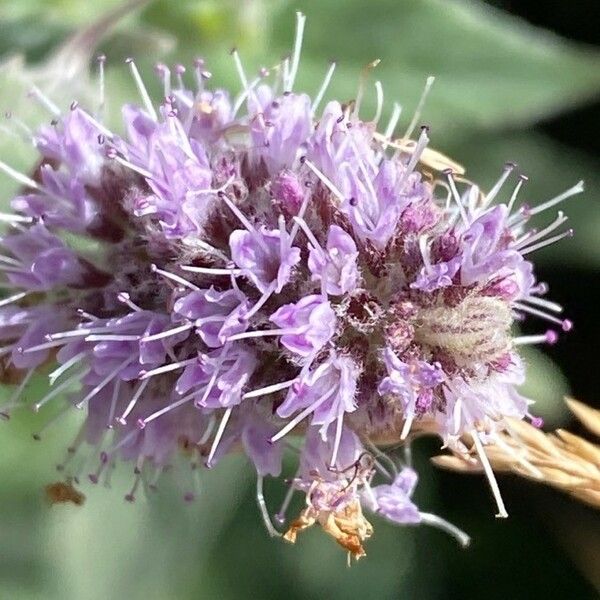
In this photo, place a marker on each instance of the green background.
(501, 93)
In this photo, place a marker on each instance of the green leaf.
(492, 69)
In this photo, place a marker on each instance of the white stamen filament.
(323, 88)
(13, 298)
(576, 189)
(533, 236)
(218, 436)
(300, 417)
(167, 368)
(175, 278)
(14, 397)
(457, 198)
(309, 234)
(419, 109)
(59, 388)
(541, 314)
(553, 306)
(300, 21)
(379, 109)
(508, 169)
(211, 270)
(461, 537)
(140, 390)
(325, 180)
(168, 333)
(112, 338)
(262, 506)
(44, 101)
(529, 340)
(52, 377)
(169, 408)
(269, 389)
(547, 242)
(339, 427)
(265, 333)
(485, 463)
(142, 90)
(515, 193)
(104, 382)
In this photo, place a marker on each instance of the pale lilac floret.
(311, 323)
(484, 248)
(393, 501)
(279, 128)
(216, 315)
(328, 392)
(74, 142)
(412, 383)
(266, 257)
(336, 265)
(434, 277)
(43, 259)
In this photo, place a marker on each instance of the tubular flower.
(314, 283)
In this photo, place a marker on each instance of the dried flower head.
(267, 271)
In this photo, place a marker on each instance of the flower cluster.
(268, 274)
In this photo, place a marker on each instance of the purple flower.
(335, 266)
(484, 253)
(216, 315)
(393, 501)
(266, 257)
(279, 127)
(311, 324)
(42, 260)
(412, 383)
(251, 267)
(327, 392)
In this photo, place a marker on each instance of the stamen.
(262, 506)
(112, 338)
(123, 418)
(325, 180)
(379, 109)
(240, 70)
(104, 382)
(14, 298)
(309, 234)
(218, 436)
(143, 422)
(65, 367)
(280, 515)
(414, 159)
(461, 537)
(63, 386)
(547, 242)
(553, 306)
(125, 298)
(508, 169)
(323, 88)
(211, 270)
(174, 366)
(513, 198)
(300, 417)
(101, 84)
(168, 332)
(300, 21)
(44, 101)
(13, 219)
(269, 389)
(173, 277)
(533, 236)
(485, 463)
(418, 110)
(114, 155)
(336, 442)
(113, 404)
(265, 333)
(208, 431)
(456, 196)
(564, 323)
(391, 126)
(576, 189)
(142, 89)
(408, 421)
(550, 337)
(14, 397)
